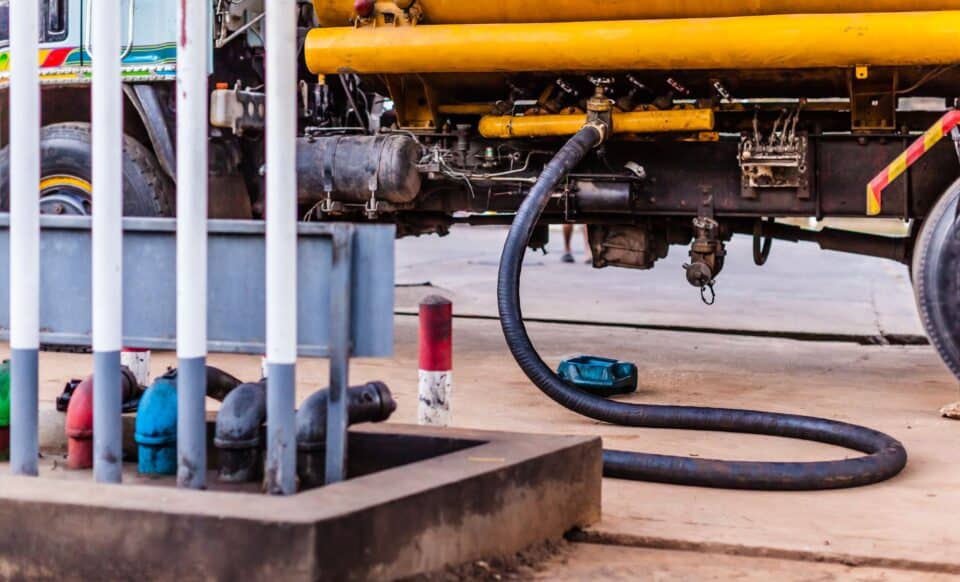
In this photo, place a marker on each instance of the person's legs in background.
(586, 244)
(567, 238)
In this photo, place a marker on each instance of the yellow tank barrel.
(754, 42)
(676, 120)
(340, 12)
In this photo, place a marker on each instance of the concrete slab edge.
(494, 499)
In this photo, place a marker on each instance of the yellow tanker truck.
(716, 116)
(657, 123)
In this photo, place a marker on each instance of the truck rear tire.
(66, 175)
(936, 277)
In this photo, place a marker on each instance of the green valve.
(5, 394)
(5, 410)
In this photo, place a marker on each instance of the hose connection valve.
(706, 257)
(600, 108)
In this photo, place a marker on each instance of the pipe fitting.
(239, 435)
(156, 425)
(603, 128)
(371, 402)
(156, 428)
(79, 422)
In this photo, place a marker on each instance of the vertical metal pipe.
(192, 194)
(281, 246)
(107, 123)
(337, 421)
(24, 235)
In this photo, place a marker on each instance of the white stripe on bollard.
(138, 362)
(281, 245)
(24, 234)
(192, 105)
(435, 385)
(107, 249)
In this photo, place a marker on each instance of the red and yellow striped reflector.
(916, 151)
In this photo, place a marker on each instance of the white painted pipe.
(107, 124)
(281, 245)
(24, 234)
(192, 106)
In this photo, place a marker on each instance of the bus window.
(54, 20)
(53, 17)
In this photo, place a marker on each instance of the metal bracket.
(328, 205)
(873, 100)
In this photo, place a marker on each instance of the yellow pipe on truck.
(753, 42)
(683, 120)
(340, 12)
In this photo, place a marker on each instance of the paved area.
(801, 288)
(903, 529)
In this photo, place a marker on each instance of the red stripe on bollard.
(435, 384)
(436, 334)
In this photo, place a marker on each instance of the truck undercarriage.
(425, 114)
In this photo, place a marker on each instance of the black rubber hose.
(885, 456)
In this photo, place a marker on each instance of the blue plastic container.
(156, 429)
(600, 376)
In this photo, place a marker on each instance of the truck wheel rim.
(65, 195)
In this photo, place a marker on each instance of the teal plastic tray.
(600, 376)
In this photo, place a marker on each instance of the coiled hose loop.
(885, 456)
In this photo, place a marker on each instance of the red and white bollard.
(436, 361)
(138, 360)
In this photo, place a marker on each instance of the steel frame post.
(107, 122)
(24, 236)
(281, 247)
(340, 349)
(192, 195)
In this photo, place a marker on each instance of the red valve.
(79, 422)
(79, 426)
(363, 8)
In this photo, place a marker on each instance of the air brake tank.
(340, 12)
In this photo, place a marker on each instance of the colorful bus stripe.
(162, 54)
(917, 149)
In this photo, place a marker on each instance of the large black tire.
(936, 277)
(66, 153)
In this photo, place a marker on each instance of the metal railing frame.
(192, 236)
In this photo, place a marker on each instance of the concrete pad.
(494, 494)
(801, 289)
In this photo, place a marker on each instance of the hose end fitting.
(603, 128)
